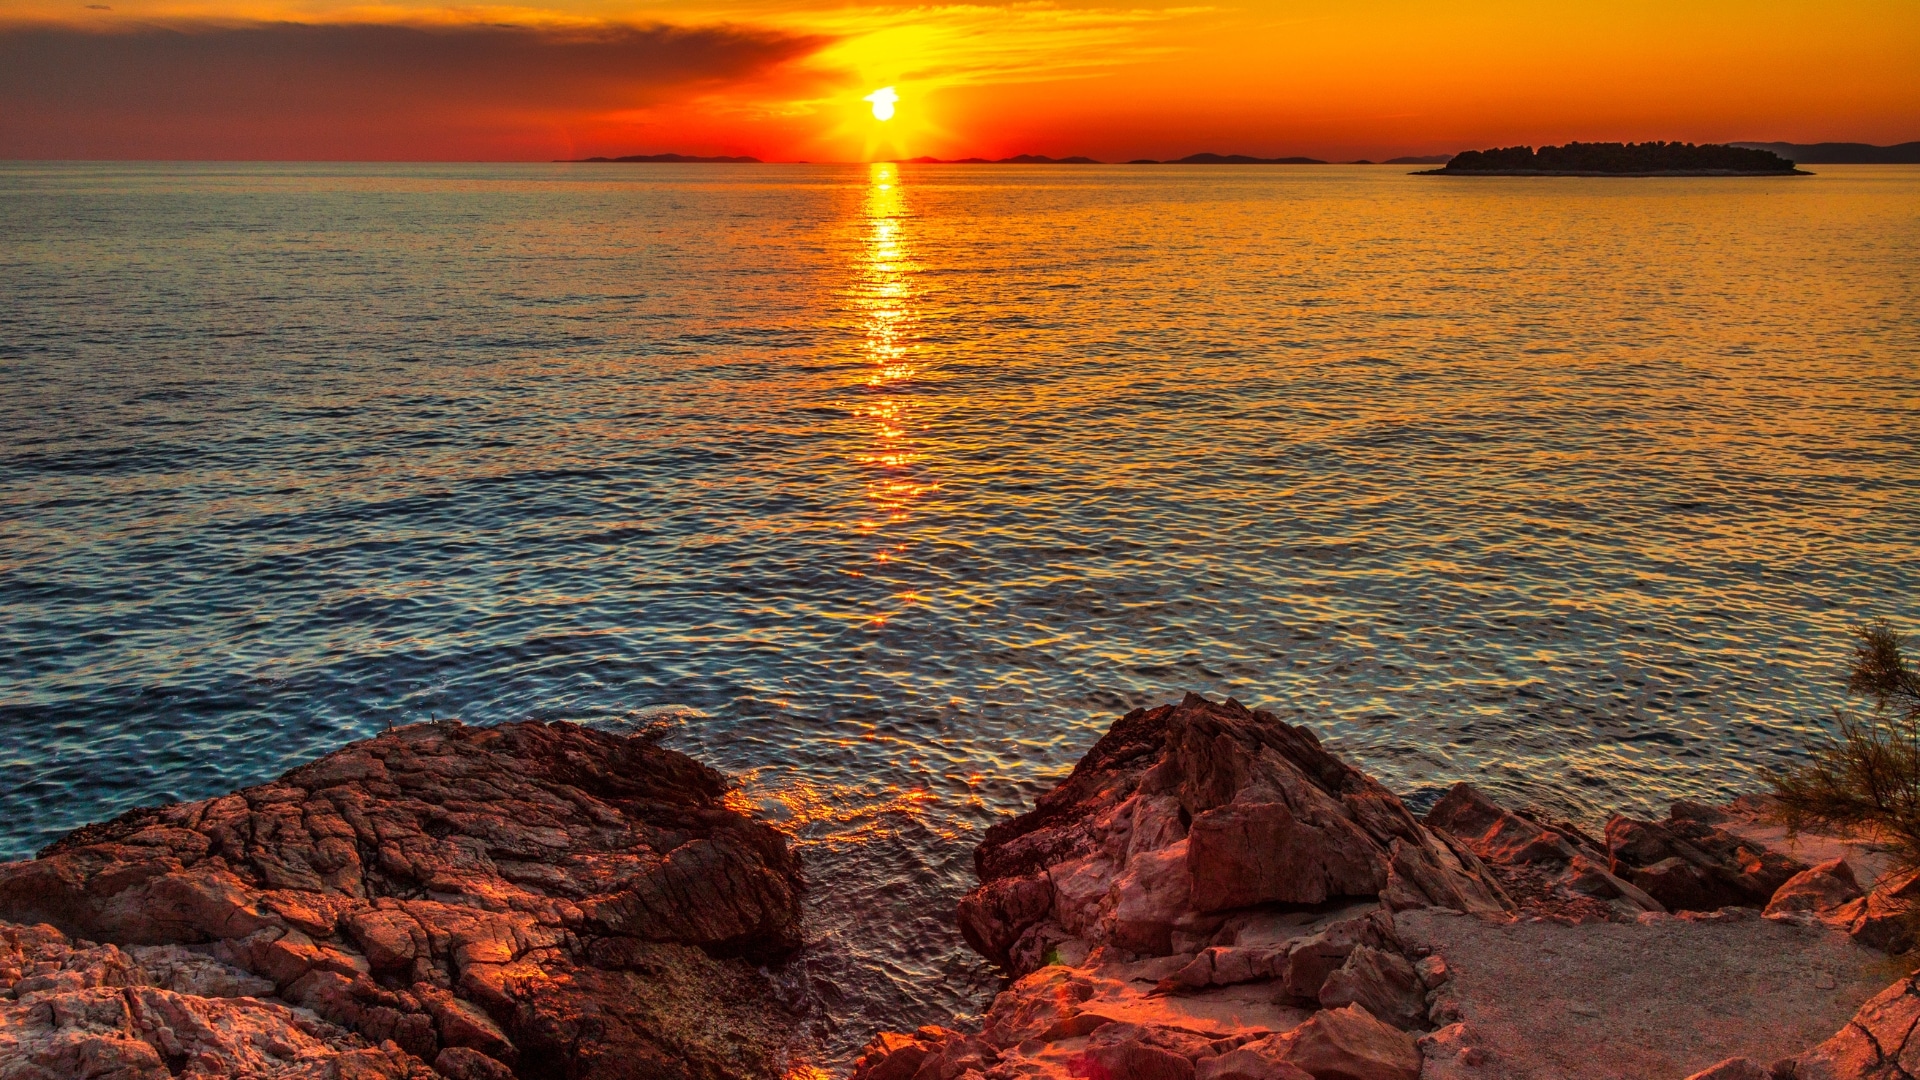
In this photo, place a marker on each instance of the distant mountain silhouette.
(1421, 159)
(1229, 159)
(1619, 159)
(676, 159)
(1017, 159)
(1840, 153)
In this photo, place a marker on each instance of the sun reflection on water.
(883, 300)
(812, 813)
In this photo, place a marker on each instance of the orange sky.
(784, 79)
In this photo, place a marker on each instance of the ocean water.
(887, 488)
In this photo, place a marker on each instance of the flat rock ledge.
(530, 900)
(1210, 895)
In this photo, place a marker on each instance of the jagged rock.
(1451, 1053)
(1382, 981)
(1818, 890)
(1126, 1050)
(72, 1009)
(1884, 918)
(523, 894)
(1689, 864)
(1184, 811)
(1182, 904)
(1311, 959)
(1551, 868)
(1350, 1044)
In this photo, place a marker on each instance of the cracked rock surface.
(531, 900)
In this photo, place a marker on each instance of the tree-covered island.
(1619, 159)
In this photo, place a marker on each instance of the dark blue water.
(887, 489)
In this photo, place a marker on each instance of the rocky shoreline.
(531, 900)
(1210, 895)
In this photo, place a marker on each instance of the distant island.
(1573, 159)
(1017, 159)
(1229, 159)
(1619, 159)
(1840, 153)
(1190, 159)
(671, 159)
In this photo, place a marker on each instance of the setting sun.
(883, 101)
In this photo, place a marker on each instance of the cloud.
(358, 90)
(971, 44)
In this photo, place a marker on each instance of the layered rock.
(1184, 814)
(1210, 894)
(1549, 867)
(527, 900)
(1690, 863)
(71, 1009)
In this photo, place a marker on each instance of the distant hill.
(1423, 159)
(1619, 159)
(1229, 159)
(675, 159)
(1017, 159)
(1840, 153)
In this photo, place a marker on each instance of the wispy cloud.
(963, 44)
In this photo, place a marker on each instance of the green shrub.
(1866, 781)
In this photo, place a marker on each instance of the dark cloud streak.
(298, 90)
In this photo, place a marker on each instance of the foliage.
(1621, 158)
(1868, 779)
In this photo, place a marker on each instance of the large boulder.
(1381, 980)
(1351, 1044)
(1816, 891)
(1210, 895)
(497, 900)
(1186, 812)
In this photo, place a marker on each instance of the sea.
(887, 488)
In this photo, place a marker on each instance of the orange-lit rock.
(1182, 813)
(483, 899)
(1884, 918)
(1816, 891)
(1383, 981)
(1351, 1044)
(1689, 863)
(1549, 867)
(1187, 905)
(71, 1009)
(1877, 1044)
(1318, 931)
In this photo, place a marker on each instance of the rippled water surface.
(888, 488)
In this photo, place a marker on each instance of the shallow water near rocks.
(888, 488)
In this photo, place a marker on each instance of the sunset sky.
(786, 79)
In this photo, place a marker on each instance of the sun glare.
(883, 100)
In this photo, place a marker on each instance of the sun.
(883, 100)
